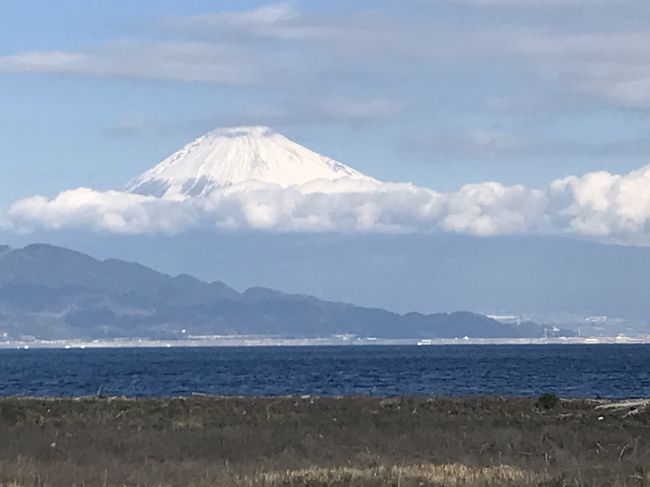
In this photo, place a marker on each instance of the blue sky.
(438, 93)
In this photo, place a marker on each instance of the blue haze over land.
(425, 273)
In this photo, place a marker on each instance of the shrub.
(548, 400)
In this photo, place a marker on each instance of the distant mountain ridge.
(49, 292)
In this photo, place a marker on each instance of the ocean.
(605, 371)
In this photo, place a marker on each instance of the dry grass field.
(356, 441)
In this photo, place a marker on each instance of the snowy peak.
(237, 155)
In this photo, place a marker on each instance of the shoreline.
(631, 402)
(260, 341)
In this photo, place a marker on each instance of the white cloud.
(598, 205)
(320, 206)
(176, 61)
(267, 45)
(529, 3)
(611, 66)
(356, 110)
(110, 211)
(269, 20)
(493, 209)
(265, 15)
(474, 143)
(279, 21)
(605, 206)
(310, 110)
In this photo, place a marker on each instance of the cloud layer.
(290, 48)
(598, 205)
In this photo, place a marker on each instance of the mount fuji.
(231, 156)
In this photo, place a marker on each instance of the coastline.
(265, 341)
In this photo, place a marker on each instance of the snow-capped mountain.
(230, 156)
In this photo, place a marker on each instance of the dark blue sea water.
(608, 371)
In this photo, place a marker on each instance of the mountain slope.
(237, 155)
(52, 292)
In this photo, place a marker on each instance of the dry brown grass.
(403, 476)
(202, 441)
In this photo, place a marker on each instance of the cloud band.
(598, 205)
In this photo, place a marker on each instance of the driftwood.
(630, 406)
